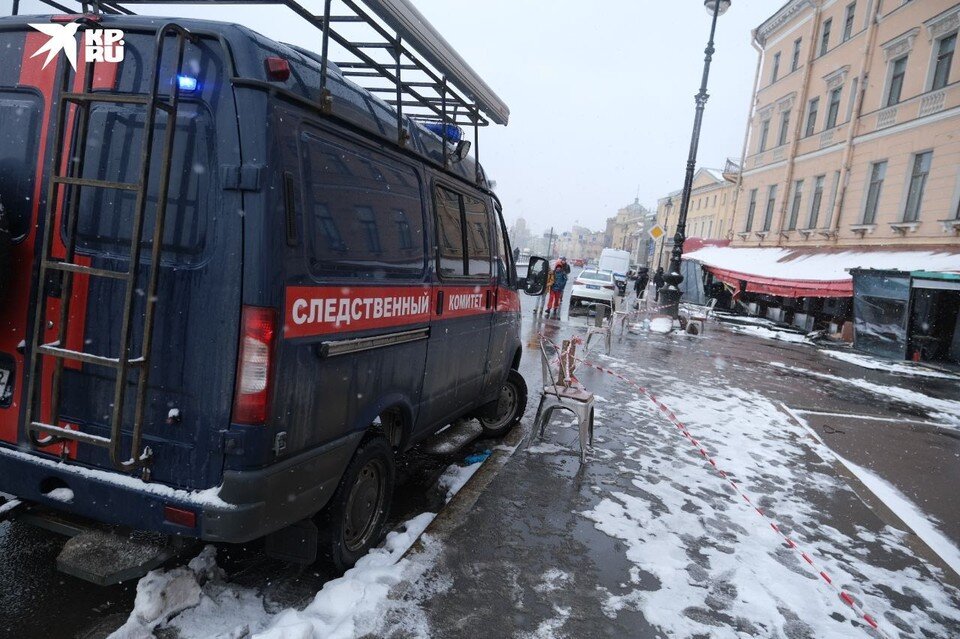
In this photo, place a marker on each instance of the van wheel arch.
(395, 424)
(515, 364)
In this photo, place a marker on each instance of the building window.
(817, 200)
(941, 71)
(764, 133)
(751, 210)
(368, 224)
(878, 171)
(771, 201)
(825, 36)
(776, 67)
(795, 209)
(834, 109)
(784, 128)
(812, 110)
(848, 21)
(898, 68)
(403, 229)
(918, 181)
(795, 63)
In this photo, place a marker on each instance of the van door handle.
(489, 297)
(440, 302)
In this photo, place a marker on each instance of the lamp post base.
(670, 299)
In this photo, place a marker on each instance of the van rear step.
(106, 558)
(8, 503)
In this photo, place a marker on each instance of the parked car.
(579, 262)
(593, 286)
(250, 375)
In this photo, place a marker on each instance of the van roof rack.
(389, 49)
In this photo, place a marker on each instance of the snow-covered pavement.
(650, 540)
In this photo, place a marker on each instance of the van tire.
(510, 406)
(355, 519)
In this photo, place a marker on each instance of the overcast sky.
(600, 94)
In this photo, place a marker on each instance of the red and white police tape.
(673, 419)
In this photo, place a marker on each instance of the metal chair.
(562, 391)
(601, 326)
(697, 320)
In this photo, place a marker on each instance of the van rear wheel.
(510, 406)
(355, 519)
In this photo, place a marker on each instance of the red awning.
(814, 271)
(781, 287)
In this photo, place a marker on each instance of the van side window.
(479, 252)
(19, 133)
(450, 233)
(363, 215)
(463, 234)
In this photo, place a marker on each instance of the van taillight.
(259, 325)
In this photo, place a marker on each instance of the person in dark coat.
(658, 281)
(640, 284)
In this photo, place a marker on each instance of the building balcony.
(919, 106)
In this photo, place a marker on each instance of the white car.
(593, 287)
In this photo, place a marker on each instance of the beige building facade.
(709, 217)
(854, 136)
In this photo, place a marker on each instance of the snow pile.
(661, 324)
(162, 594)
(769, 333)
(890, 366)
(61, 494)
(454, 477)
(351, 606)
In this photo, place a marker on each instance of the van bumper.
(246, 506)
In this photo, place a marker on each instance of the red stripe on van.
(321, 310)
(325, 310)
(16, 306)
(105, 75)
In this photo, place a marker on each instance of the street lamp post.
(666, 224)
(670, 295)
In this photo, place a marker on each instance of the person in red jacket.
(560, 272)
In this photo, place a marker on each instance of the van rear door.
(191, 364)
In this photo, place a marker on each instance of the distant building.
(852, 140)
(710, 214)
(627, 230)
(520, 234)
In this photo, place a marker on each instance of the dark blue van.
(238, 283)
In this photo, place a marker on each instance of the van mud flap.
(105, 558)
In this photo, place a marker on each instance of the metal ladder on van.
(43, 434)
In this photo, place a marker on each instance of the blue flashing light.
(454, 133)
(187, 84)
